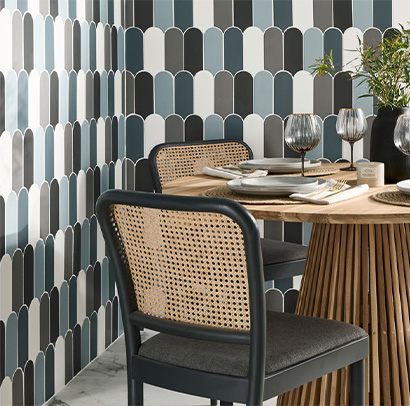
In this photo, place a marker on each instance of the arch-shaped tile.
(223, 14)
(223, 93)
(115, 308)
(366, 138)
(283, 94)
(322, 14)
(342, 14)
(143, 14)
(253, 50)
(11, 104)
(263, 93)
(77, 349)
(44, 321)
(107, 48)
(154, 62)
(273, 136)
(54, 314)
(97, 183)
(89, 293)
(28, 275)
(84, 50)
(39, 269)
(362, 14)
(85, 343)
(111, 91)
(343, 92)
(77, 249)
(22, 100)
(6, 287)
(2, 226)
(303, 93)
(129, 93)
(121, 137)
(317, 153)
(59, 241)
(92, 46)
(163, 14)
(118, 94)
(101, 330)
(108, 324)
(81, 196)
(174, 128)
(263, 14)
(174, 50)
(28, 165)
(273, 50)
(63, 101)
(183, 14)
(103, 94)
(243, 94)
(85, 244)
(154, 130)
(63, 200)
(68, 350)
(89, 203)
(214, 127)
(22, 218)
(184, 98)
(242, 13)
(333, 42)
(203, 14)
(81, 296)
(129, 172)
(44, 210)
(93, 335)
(6, 47)
(213, 50)
(323, 95)
(17, 162)
(49, 372)
(194, 128)
(45, 99)
(34, 99)
(18, 387)
(29, 383)
(39, 379)
(134, 59)
(17, 285)
(203, 94)
(72, 199)
(72, 297)
(39, 43)
(293, 50)
(11, 345)
(100, 48)
(233, 50)
(49, 154)
(34, 214)
(351, 55)
(234, 127)
(68, 45)
(302, 12)
(34, 331)
(164, 94)
(59, 354)
(144, 94)
(72, 96)
(6, 163)
(193, 50)
(382, 14)
(64, 309)
(81, 96)
(312, 47)
(253, 134)
(58, 44)
(399, 9)
(282, 14)
(332, 143)
(93, 236)
(11, 223)
(49, 43)
(6, 392)
(134, 137)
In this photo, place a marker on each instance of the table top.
(359, 210)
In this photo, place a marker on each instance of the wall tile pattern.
(87, 88)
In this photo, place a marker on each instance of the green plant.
(385, 68)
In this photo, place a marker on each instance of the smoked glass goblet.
(302, 134)
(402, 134)
(351, 126)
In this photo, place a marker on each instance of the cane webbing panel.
(186, 266)
(178, 161)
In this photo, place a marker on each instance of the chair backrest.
(185, 265)
(171, 161)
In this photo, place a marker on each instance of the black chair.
(170, 161)
(191, 269)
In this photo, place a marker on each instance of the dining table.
(358, 271)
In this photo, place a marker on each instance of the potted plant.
(385, 68)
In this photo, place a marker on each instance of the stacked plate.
(279, 165)
(404, 186)
(275, 186)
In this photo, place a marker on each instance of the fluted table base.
(360, 274)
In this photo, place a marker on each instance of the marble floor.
(104, 383)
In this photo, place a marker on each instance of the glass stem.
(351, 155)
(302, 155)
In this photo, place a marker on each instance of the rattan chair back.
(186, 266)
(172, 161)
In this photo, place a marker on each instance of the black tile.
(49, 263)
(17, 279)
(68, 352)
(97, 286)
(143, 14)
(194, 128)
(54, 207)
(17, 388)
(54, 315)
(342, 14)
(22, 339)
(29, 384)
(144, 94)
(193, 49)
(44, 322)
(2, 351)
(77, 349)
(293, 50)
(28, 274)
(243, 14)
(243, 94)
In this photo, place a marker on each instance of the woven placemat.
(319, 171)
(392, 196)
(224, 191)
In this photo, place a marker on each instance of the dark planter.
(382, 148)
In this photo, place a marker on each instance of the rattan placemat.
(224, 191)
(319, 171)
(392, 196)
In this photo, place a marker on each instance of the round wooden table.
(358, 271)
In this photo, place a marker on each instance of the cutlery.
(236, 168)
(337, 186)
(340, 191)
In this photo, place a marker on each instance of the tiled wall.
(85, 84)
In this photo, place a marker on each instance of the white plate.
(236, 186)
(272, 167)
(279, 182)
(404, 186)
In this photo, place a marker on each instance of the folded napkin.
(321, 198)
(232, 172)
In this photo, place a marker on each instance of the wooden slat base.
(360, 274)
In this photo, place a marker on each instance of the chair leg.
(135, 393)
(357, 383)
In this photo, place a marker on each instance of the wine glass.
(351, 126)
(402, 134)
(302, 134)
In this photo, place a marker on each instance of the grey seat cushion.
(276, 252)
(290, 339)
